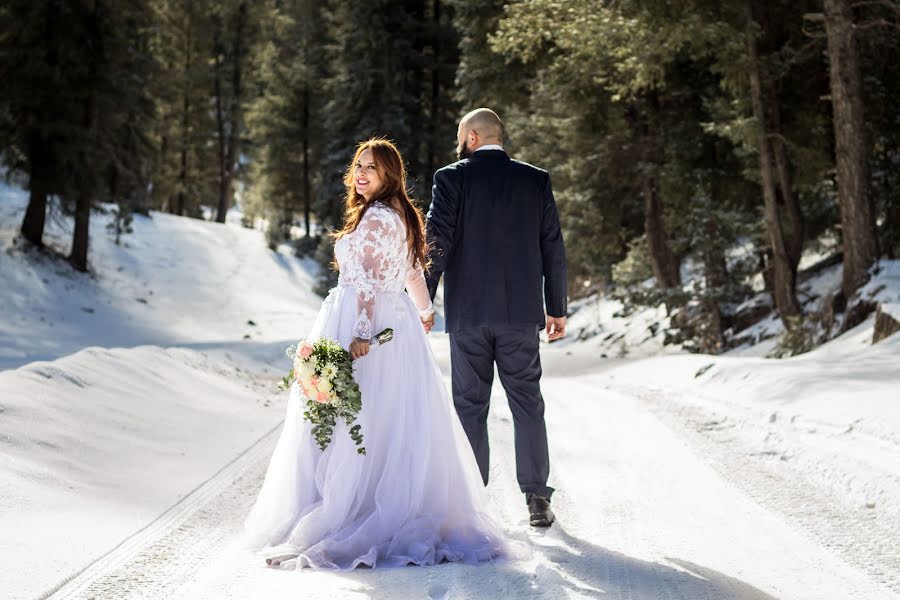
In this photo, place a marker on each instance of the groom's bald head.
(479, 127)
(485, 123)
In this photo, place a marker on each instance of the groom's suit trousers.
(514, 349)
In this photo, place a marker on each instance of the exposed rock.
(747, 317)
(703, 370)
(887, 321)
(857, 312)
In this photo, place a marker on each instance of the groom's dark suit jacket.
(495, 236)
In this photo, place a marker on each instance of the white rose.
(305, 370)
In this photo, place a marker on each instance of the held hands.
(359, 348)
(556, 328)
(428, 322)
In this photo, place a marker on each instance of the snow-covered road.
(642, 514)
(138, 413)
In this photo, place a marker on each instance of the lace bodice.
(375, 259)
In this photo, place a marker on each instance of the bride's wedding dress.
(416, 496)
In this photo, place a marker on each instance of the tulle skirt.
(415, 497)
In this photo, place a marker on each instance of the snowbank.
(174, 281)
(604, 325)
(99, 443)
(833, 413)
(102, 428)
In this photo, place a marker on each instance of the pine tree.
(284, 117)
(234, 25)
(609, 79)
(34, 39)
(78, 105)
(187, 168)
(441, 109)
(876, 26)
(860, 241)
(784, 274)
(112, 105)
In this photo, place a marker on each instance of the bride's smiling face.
(365, 175)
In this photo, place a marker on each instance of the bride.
(416, 496)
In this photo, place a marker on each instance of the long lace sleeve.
(417, 288)
(373, 250)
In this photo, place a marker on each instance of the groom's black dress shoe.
(539, 512)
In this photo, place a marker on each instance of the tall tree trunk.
(180, 199)
(716, 275)
(783, 276)
(121, 207)
(665, 264)
(715, 266)
(234, 116)
(182, 173)
(796, 222)
(220, 123)
(891, 229)
(307, 200)
(851, 147)
(36, 213)
(433, 138)
(666, 267)
(39, 158)
(78, 257)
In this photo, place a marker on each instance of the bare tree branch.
(876, 23)
(889, 4)
(813, 18)
(807, 51)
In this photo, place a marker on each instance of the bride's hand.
(428, 323)
(359, 348)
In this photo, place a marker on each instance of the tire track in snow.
(862, 537)
(83, 583)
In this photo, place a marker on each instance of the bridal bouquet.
(324, 371)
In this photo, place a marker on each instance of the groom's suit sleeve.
(553, 255)
(441, 225)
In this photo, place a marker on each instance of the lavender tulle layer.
(415, 497)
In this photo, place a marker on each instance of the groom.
(495, 236)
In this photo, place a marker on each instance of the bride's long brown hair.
(393, 176)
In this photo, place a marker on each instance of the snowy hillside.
(603, 322)
(158, 375)
(138, 411)
(175, 281)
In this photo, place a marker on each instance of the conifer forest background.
(700, 146)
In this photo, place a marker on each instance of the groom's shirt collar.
(490, 147)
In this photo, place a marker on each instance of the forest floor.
(138, 410)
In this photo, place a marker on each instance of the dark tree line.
(692, 128)
(75, 110)
(676, 133)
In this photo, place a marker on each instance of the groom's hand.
(428, 323)
(556, 327)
